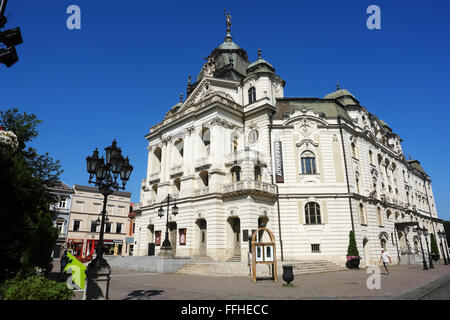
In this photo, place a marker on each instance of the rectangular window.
(315, 247)
(308, 165)
(182, 236)
(94, 226)
(118, 228)
(59, 226)
(108, 227)
(76, 225)
(62, 203)
(157, 238)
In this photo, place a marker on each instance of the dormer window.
(251, 95)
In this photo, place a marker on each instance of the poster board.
(265, 253)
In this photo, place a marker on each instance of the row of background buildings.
(78, 215)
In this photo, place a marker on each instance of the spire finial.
(181, 97)
(409, 157)
(259, 53)
(337, 85)
(189, 79)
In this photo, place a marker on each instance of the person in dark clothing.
(64, 260)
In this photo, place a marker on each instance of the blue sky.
(119, 74)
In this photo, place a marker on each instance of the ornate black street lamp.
(166, 245)
(441, 236)
(430, 260)
(106, 174)
(419, 233)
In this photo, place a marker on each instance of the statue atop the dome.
(228, 16)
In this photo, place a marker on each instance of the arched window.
(379, 217)
(362, 216)
(177, 183)
(179, 146)
(235, 145)
(235, 174)
(157, 155)
(383, 244)
(354, 150)
(251, 95)
(358, 183)
(258, 176)
(204, 177)
(206, 139)
(312, 213)
(308, 161)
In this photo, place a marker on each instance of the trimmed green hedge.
(34, 287)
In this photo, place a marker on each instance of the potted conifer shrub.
(353, 257)
(434, 249)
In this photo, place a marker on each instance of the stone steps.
(242, 269)
(317, 266)
(235, 258)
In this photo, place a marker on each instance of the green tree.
(26, 232)
(352, 249)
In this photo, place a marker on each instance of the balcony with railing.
(249, 187)
(153, 176)
(176, 170)
(245, 155)
(203, 162)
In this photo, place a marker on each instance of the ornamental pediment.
(307, 143)
(204, 91)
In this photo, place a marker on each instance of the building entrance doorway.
(235, 226)
(201, 236)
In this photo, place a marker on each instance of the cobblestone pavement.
(350, 284)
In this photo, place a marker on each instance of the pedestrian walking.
(386, 259)
(64, 260)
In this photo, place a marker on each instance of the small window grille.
(315, 247)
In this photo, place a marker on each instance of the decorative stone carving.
(220, 122)
(209, 68)
(166, 140)
(307, 143)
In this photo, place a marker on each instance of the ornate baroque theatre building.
(237, 154)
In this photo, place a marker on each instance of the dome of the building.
(227, 61)
(228, 44)
(339, 93)
(260, 65)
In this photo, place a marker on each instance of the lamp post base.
(98, 275)
(165, 251)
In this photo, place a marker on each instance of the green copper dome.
(338, 94)
(260, 65)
